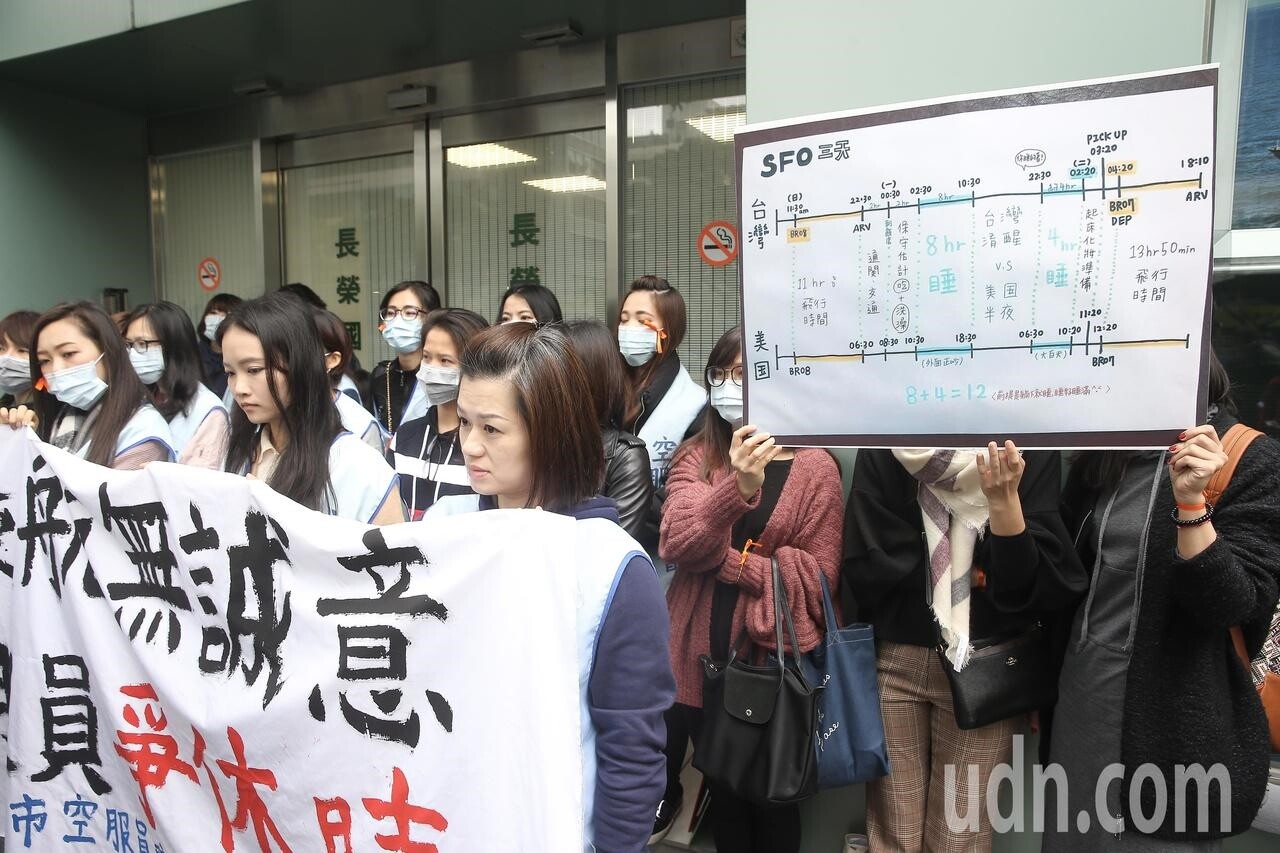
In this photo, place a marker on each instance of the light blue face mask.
(726, 399)
(211, 324)
(403, 335)
(79, 386)
(638, 344)
(15, 374)
(149, 365)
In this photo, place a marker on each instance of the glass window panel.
(348, 235)
(1256, 203)
(204, 209)
(679, 175)
(529, 209)
(1246, 337)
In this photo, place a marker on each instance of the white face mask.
(211, 324)
(439, 383)
(726, 399)
(403, 335)
(79, 386)
(15, 374)
(637, 344)
(149, 365)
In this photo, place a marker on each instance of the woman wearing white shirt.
(166, 357)
(285, 429)
(105, 415)
(356, 419)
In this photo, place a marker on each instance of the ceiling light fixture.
(571, 184)
(718, 126)
(486, 154)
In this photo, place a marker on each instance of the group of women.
(1135, 574)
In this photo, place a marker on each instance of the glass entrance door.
(349, 235)
(530, 209)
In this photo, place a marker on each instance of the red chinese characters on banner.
(334, 817)
(153, 753)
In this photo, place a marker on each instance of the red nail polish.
(1173, 448)
(1182, 436)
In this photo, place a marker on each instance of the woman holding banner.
(164, 352)
(945, 550)
(104, 413)
(530, 442)
(285, 429)
(16, 335)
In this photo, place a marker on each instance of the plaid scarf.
(71, 429)
(955, 513)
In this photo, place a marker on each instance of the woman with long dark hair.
(736, 501)
(166, 357)
(627, 479)
(530, 443)
(104, 413)
(393, 384)
(285, 429)
(663, 400)
(355, 418)
(215, 311)
(426, 451)
(529, 303)
(1150, 678)
(17, 331)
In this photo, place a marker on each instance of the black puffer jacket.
(1188, 698)
(627, 478)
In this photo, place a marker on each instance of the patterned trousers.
(907, 811)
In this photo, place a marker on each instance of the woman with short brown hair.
(531, 443)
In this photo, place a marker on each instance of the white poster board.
(1030, 265)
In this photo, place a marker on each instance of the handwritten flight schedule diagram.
(1030, 264)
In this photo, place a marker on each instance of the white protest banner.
(1031, 265)
(194, 663)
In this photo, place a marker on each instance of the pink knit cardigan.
(804, 533)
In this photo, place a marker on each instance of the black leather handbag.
(759, 722)
(1003, 678)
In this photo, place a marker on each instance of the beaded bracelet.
(1193, 522)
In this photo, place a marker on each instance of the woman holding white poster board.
(531, 443)
(736, 503)
(1150, 678)
(920, 526)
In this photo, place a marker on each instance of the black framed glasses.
(410, 313)
(141, 345)
(716, 376)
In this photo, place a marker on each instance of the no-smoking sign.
(210, 273)
(718, 243)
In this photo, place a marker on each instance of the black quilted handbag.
(759, 722)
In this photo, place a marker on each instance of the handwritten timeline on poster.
(1031, 265)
